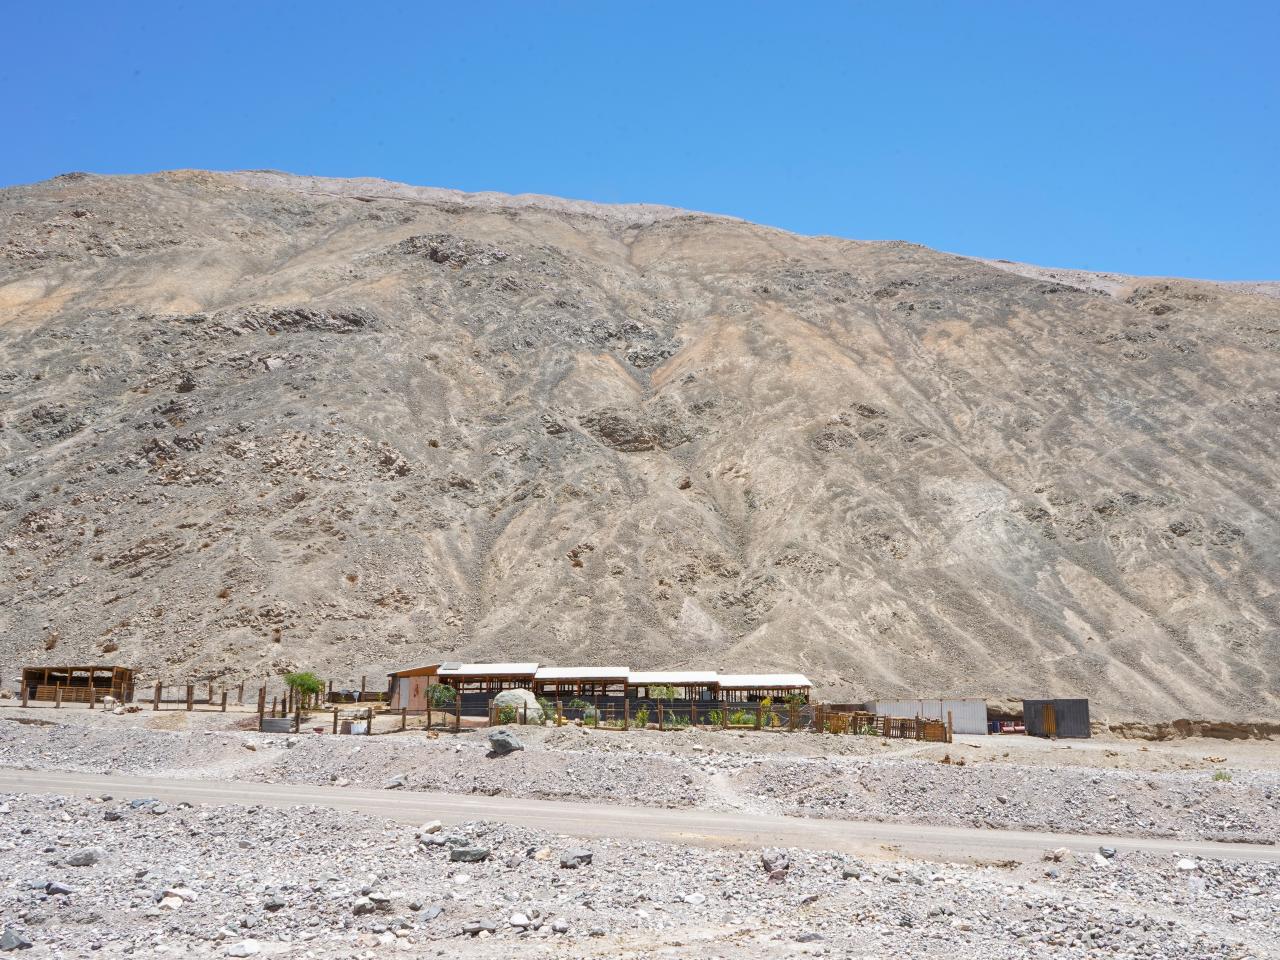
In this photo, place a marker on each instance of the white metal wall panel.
(967, 715)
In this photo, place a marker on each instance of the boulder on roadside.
(502, 742)
(468, 854)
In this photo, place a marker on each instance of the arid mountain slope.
(253, 421)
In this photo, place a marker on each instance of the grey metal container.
(1071, 716)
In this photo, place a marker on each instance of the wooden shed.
(409, 687)
(77, 684)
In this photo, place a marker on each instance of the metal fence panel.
(969, 715)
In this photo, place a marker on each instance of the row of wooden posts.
(824, 720)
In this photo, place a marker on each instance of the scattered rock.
(502, 742)
(572, 859)
(86, 857)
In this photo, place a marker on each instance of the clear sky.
(1141, 137)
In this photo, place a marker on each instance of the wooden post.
(559, 714)
(428, 709)
(724, 714)
(660, 726)
(493, 713)
(224, 701)
(626, 714)
(524, 714)
(273, 706)
(368, 727)
(191, 696)
(364, 681)
(330, 690)
(951, 727)
(457, 712)
(240, 695)
(297, 715)
(57, 696)
(211, 693)
(91, 696)
(404, 718)
(693, 712)
(24, 691)
(335, 720)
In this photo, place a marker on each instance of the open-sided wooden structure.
(687, 684)
(586, 683)
(77, 684)
(753, 687)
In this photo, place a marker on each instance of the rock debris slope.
(253, 421)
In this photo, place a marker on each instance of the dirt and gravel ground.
(1211, 790)
(111, 878)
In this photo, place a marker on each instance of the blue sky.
(1132, 136)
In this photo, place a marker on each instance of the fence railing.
(725, 715)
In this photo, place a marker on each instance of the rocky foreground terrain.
(108, 876)
(251, 422)
(112, 878)
(1192, 791)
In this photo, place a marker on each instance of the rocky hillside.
(254, 421)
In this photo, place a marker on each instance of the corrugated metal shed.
(1070, 716)
(968, 714)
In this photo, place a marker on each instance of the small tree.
(662, 691)
(442, 695)
(305, 684)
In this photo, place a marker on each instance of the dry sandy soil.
(251, 422)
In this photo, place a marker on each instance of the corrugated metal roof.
(488, 669)
(581, 673)
(748, 680)
(674, 678)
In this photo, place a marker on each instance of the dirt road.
(725, 830)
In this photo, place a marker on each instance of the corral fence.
(623, 714)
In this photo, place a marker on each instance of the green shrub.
(304, 683)
(1222, 776)
(507, 713)
(442, 695)
(641, 716)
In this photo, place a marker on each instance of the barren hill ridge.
(252, 421)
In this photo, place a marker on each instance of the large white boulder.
(522, 700)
